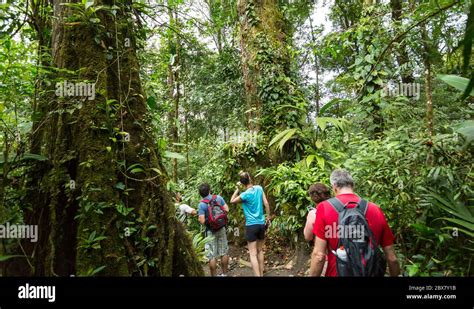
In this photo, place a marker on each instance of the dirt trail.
(279, 261)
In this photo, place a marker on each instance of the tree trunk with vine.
(96, 214)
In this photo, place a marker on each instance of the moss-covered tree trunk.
(274, 102)
(367, 45)
(265, 61)
(100, 199)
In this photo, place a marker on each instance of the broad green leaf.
(32, 156)
(97, 270)
(321, 161)
(88, 4)
(279, 136)
(136, 165)
(458, 82)
(156, 170)
(136, 168)
(330, 105)
(450, 229)
(309, 160)
(466, 129)
(463, 223)
(26, 156)
(151, 101)
(285, 139)
(120, 185)
(321, 122)
(4, 258)
(412, 270)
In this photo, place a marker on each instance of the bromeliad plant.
(309, 142)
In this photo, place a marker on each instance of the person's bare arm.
(226, 207)
(235, 197)
(267, 205)
(392, 261)
(202, 219)
(308, 228)
(318, 257)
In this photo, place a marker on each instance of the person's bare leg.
(253, 258)
(260, 257)
(225, 264)
(213, 267)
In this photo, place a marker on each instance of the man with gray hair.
(347, 210)
(341, 179)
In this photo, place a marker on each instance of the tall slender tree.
(401, 53)
(174, 82)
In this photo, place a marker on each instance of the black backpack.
(217, 217)
(364, 256)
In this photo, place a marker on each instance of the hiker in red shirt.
(328, 237)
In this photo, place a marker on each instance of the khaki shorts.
(217, 246)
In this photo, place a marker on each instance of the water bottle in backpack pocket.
(341, 262)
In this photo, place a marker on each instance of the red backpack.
(217, 216)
